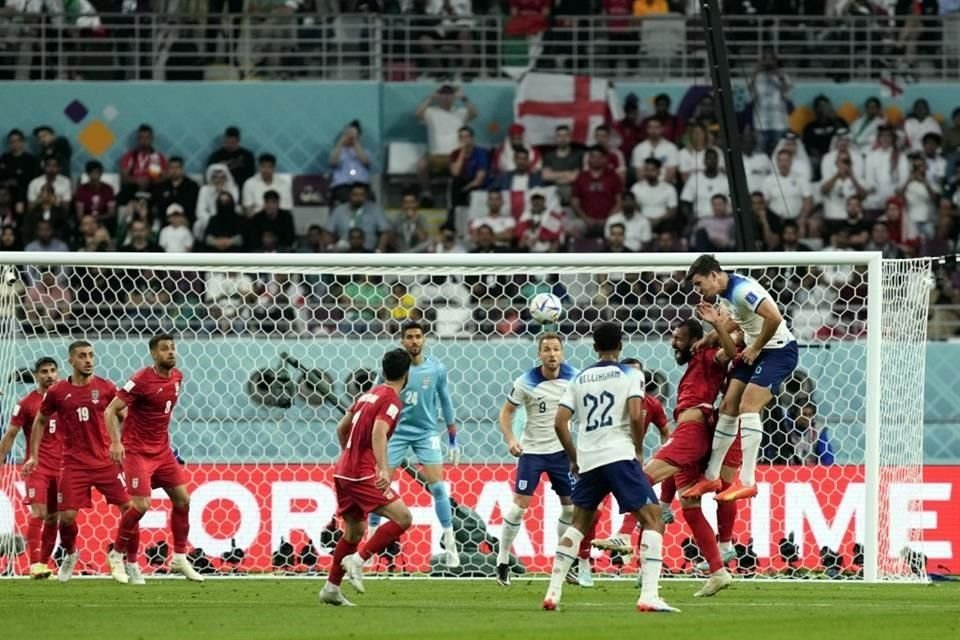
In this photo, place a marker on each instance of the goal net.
(274, 347)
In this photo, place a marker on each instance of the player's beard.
(682, 357)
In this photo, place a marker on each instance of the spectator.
(356, 241)
(141, 168)
(504, 160)
(921, 197)
(360, 213)
(178, 189)
(140, 241)
(350, 163)
(918, 124)
(818, 134)
(801, 167)
(453, 20)
(267, 242)
(272, 218)
(880, 241)
(45, 209)
(936, 163)
(864, 129)
(313, 242)
(855, 224)
(18, 168)
(657, 199)
(667, 242)
(364, 299)
(47, 302)
(448, 243)
(887, 170)
(756, 162)
(96, 197)
(403, 305)
(51, 145)
(614, 240)
(672, 127)
(837, 190)
(615, 158)
(842, 144)
(44, 239)
(9, 239)
(636, 226)
(8, 212)
(789, 195)
(501, 224)
(239, 160)
(898, 227)
(658, 147)
(951, 137)
(219, 181)
(224, 232)
(715, 233)
(691, 159)
(517, 184)
(229, 297)
(92, 236)
(811, 440)
(265, 180)
(769, 86)
(443, 121)
(540, 230)
(648, 8)
(705, 114)
(410, 233)
(176, 237)
(596, 194)
(698, 192)
(469, 166)
(61, 184)
(790, 238)
(531, 18)
(562, 164)
(484, 241)
(769, 223)
(629, 129)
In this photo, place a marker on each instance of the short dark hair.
(721, 196)
(410, 191)
(93, 165)
(653, 161)
(43, 127)
(43, 362)
(78, 344)
(790, 223)
(267, 157)
(632, 362)
(178, 159)
(549, 335)
(157, 339)
(50, 159)
(520, 150)
(662, 97)
(562, 127)
(597, 148)
(820, 99)
(14, 132)
(270, 194)
(468, 130)
(618, 224)
(145, 128)
(607, 336)
(231, 132)
(709, 151)
(487, 227)
(873, 100)
(704, 266)
(411, 325)
(694, 328)
(602, 127)
(395, 365)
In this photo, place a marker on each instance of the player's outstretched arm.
(6, 442)
(343, 428)
(111, 417)
(379, 442)
(561, 424)
(638, 424)
(771, 322)
(40, 424)
(719, 320)
(507, 413)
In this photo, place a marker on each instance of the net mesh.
(271, 357)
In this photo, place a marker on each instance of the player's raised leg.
(726, 515)
(440, 492)
(354, 527)
(566, 554)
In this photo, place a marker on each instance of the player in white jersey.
(768, 359)
(606, 403)
(539, 451)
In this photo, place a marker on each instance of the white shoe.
(67, 563)
(584, 575)
(451, 553)
(551, 601)
(618, 543)
(117, 569)
(726, 556)
(655, 605)
(716, 582)
(40, 571)
(332, 595)
(181, 564)
(353, 565)
(134, 575)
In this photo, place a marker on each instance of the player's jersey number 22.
(598, 409)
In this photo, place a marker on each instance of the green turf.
(470, 610)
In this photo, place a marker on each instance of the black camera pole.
(746, 227)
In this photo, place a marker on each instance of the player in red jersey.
(41, 485)
(78, 403)
(685, 455)
(148, 461)
(362, 478)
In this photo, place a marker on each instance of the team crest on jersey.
(176, 388)
(31, 493)
(95, 396)
(751, 297)
(426, 382)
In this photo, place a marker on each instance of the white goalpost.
(274, 346)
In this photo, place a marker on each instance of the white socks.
(751, 435)
(563, 560)
(723, 438)
(512, 519)
(566, 519)
(651, 555)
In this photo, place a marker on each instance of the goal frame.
(543, 263)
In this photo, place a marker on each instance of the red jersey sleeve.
(131, 390)
(389, 413)
(16, 418)
(108, 391)
(657, 416)
(48, 406)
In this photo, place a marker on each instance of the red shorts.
(360, 497)
(41, 486)
(689, 449)
(144, 473)
(75, 485)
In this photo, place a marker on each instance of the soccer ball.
(545, 308)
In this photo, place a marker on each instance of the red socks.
(129, 524)
(34, 543)
(180, 526)
(48, 540)
(341, 551)
(586, 543)
(384, 536)
(668, 490)
(703, 534)
(628, 526)
(726, 517)
(133, 546)
(68, 536)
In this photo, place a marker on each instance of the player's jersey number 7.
(598, 410)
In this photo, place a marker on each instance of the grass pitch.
(240, 609)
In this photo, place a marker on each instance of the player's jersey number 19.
(598, 409)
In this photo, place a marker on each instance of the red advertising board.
(257, 505)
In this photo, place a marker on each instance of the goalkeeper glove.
(453, 451)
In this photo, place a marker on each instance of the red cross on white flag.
(545, 101)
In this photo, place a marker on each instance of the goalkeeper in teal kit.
(417, 429)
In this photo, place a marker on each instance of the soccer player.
(78, 403)
(684, 456)
(538, 391)
(41, 485)
(149, 398)
(362, 478)
(768, 359)
(417, 430)
(607, 401)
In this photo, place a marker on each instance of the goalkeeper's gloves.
(453, 451)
